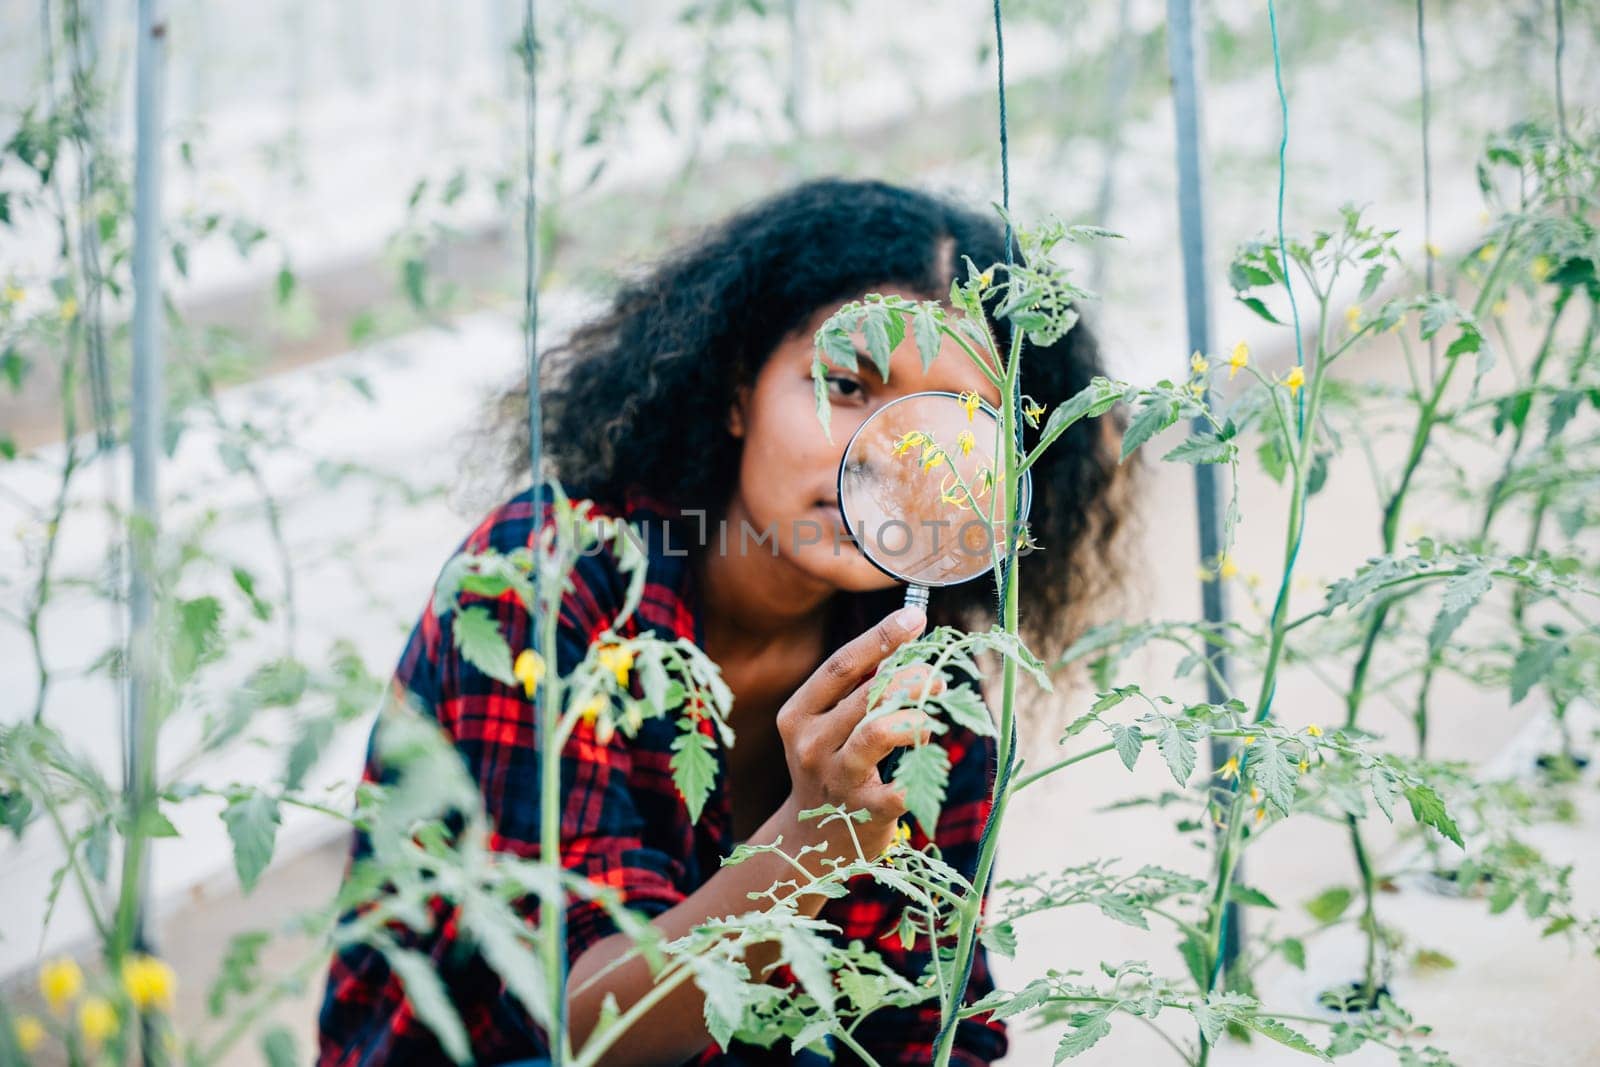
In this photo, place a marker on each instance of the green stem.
(551, 944)
(971, 908)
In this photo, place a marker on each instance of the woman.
(688, 408)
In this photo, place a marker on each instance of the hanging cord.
(1427, 182)
(1003, 774)
(1300, 415)
(551, 914)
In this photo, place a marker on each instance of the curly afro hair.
(650, 380)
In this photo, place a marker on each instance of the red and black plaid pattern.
(623, 823)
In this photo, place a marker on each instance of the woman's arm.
(674, 1030)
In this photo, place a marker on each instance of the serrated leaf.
(925, 326)
(1268, 1027)
(694, 766)
(924, 772)
(1243, 894)
(1086, 1031)
(1178, 751)
(1155, 414)
(1531, 666)
(966, 708)
(1428, 808)
(1203, 448)
(1129, 741)
(1273, 771)
(477, 635)
(252, 822)
(1461, 593)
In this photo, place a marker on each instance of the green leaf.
(428, 999)
(1155, 414)
(1531, 666)
(1243, 894)
(1274, 457)
(1294, 950)
(277, 1048)
(1178, 751)
(414, 280)
(1427, 808)
(1280, 1033)
(198, 638)
(252, 822)
(1255, 304)
(924, 771)
(285, 284)
(694, 766)
(1203, 448)
(1129, 741)
(1087, 1029)
(1273, 770)
(477, 635)
(966, 708)
(875, 327)
(1461, 594)
(1092, 401)
(925, 326)
(1328, 905)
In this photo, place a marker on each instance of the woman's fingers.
(836, 726)
(873, 739)
(854, 662)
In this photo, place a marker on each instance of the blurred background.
(343, 204)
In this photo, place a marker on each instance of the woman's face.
(788, 474)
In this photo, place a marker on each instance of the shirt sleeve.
(366, 1017)
(903, 1037)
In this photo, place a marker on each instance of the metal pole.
(1183, 55)
(139, 728)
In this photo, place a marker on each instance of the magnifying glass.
(923, 498)
(921, 493)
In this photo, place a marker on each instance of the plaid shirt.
(623, 823)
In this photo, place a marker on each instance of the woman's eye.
(846, 387)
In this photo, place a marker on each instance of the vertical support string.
(143, 711)
(1427, 180)
(552, 911)
(1184, 59)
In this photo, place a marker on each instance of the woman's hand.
(833, 755)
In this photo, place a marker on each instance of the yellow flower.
(1255, 795)
(150, 983)
(1352, 316)
(1198, 364)
(14, 294)
(965, 441)
(69, 309)
(985, 279)
(1540, 268)
(1261, 813)
(1487, 253)
(902, 833)
(1248, 741)
(529, 669)
(1197, 390)
(1314, 730)
(1253, 579)
(1204, 574)
(971, 402)
(908, 441)
(1305, 765)
(1499, 308)
(1032, 413)
(1432, 250)
(1295, 379)
(1239, 359)
(618, 659)
(1226, 567)
(932, 456)
(1229, 769)
(29, 1033)
(97, 1020)
(591, 709)
(60, 981)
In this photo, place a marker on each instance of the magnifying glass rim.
(1026, 487)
